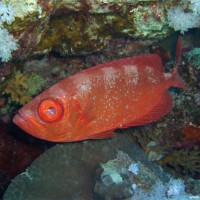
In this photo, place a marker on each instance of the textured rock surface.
(82, 27)
(68, 171)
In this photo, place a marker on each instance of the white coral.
(7, 42)
(195, 6)
(7, 13)
(7, 45)
(176, 187)
(181, 20)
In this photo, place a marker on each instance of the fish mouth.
(22, 121)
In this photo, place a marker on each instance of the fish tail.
(176, 80)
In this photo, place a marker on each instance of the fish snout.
(21, 120)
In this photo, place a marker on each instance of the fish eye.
(50, 110)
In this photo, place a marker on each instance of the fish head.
(46, 117)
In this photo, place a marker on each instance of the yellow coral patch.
(16, 88)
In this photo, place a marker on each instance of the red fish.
(93, 103)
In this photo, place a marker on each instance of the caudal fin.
(175, 79)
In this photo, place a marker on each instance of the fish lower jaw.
(21, 121)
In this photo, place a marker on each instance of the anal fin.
(108, 134)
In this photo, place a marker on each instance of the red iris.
(50, 110)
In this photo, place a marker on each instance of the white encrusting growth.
(131, 71)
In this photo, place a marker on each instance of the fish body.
(91, 104)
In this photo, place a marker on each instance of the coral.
(172, 189)
(113, 169)
(21, 87)
(175, 189)
(195, 5)
(123, 177)
(191, 132)
(7, 13)
(24, 7)
(17, 88)
(134, 168)
(83, 27)
(62, 169)
(149, 21)
(7, 45)
(7, 41)
(175, 153)
(184, 161)
(180, 20)
(193, 57)
(35, 83)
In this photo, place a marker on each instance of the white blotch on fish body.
(167, 75)
(151, 75)
(86, 87)
(83, 83)
(131, 71)
(60, 92)
(110, 75)
(126, 107)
